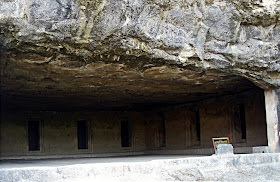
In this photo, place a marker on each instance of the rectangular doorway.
(126, 133)
(161, 131)
(82, 134)
(33, 135)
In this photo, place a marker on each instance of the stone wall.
(167, 128)
(278, 105)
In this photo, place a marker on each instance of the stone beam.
(272, 106)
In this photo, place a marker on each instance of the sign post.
(218, 141)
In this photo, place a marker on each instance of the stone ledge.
(163, 151)
(244, 167)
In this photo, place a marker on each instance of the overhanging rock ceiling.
(103, 54)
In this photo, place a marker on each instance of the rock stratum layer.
(129, 52)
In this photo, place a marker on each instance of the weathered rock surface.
(249, 167)
(224, 149)
(125, 52)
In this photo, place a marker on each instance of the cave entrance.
(157, 128)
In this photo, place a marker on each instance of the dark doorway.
(239, 123)
(126, 133)
(242, 120)
(197, 123)
(161, 131)
(34, 135)
(194, 127)
(82, 132)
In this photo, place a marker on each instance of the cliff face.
(138, 51)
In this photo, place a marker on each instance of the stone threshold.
(160, 151)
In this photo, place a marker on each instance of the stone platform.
(243, 167)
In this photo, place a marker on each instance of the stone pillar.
(272, 106)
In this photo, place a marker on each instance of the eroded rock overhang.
(115, 54)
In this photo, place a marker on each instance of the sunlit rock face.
(126, 53)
